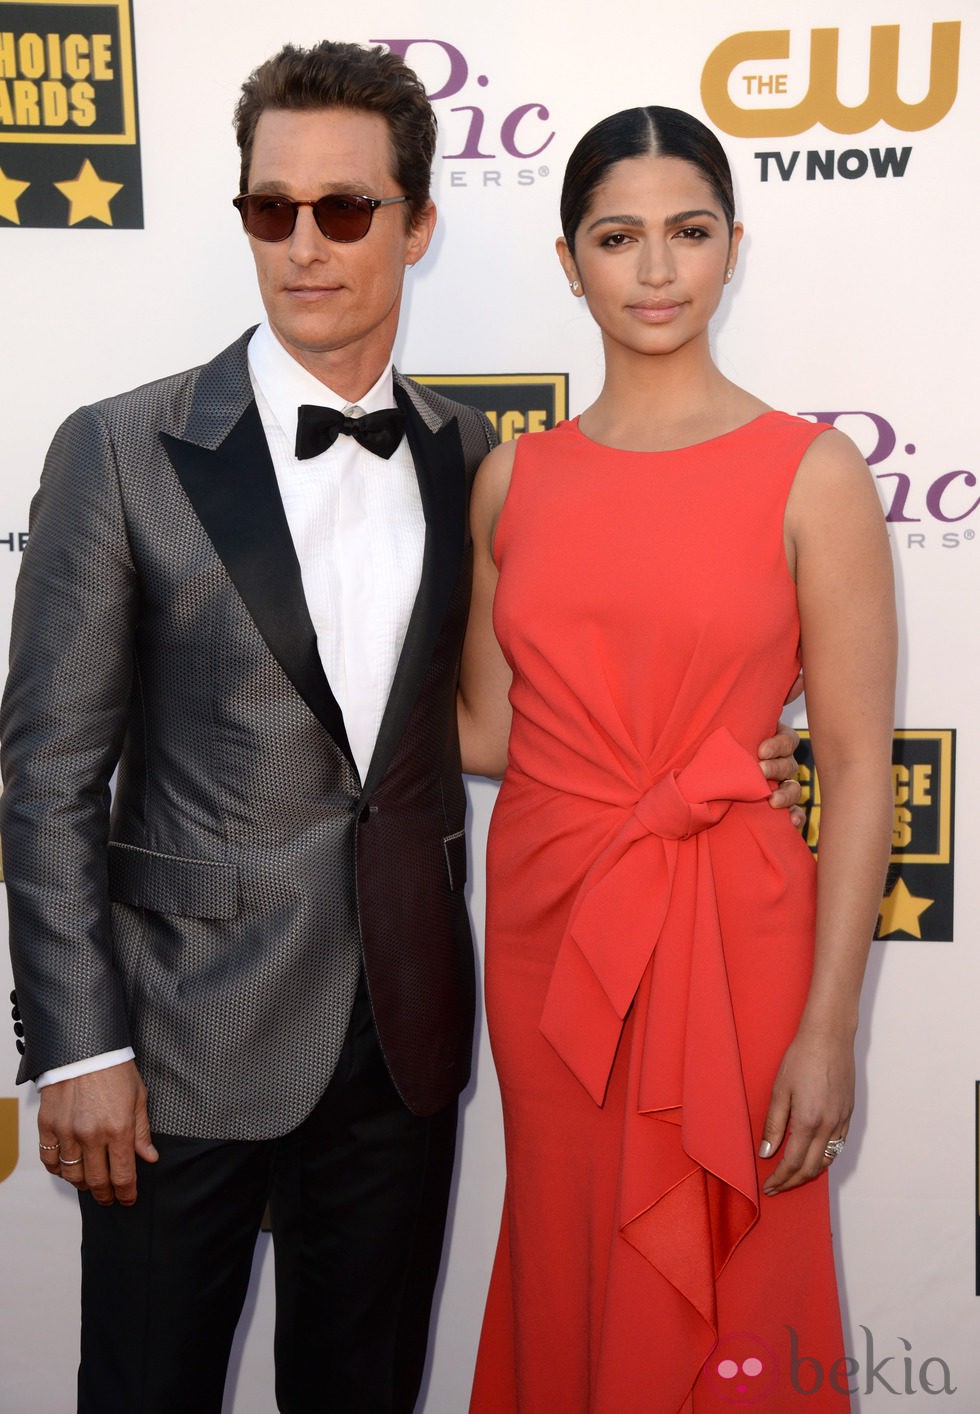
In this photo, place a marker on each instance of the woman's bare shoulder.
(493, 480)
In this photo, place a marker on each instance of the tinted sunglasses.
(269, 217)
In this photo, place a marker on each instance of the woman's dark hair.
(339, 75)
(637, 132)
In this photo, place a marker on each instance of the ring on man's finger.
(69, 1163)
(832, 1148)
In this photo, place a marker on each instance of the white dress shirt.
(357, 524)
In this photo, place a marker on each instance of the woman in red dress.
(672, 985)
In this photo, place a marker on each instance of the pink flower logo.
(742, 1369)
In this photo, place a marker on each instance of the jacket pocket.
(454, 848)
(167, 883)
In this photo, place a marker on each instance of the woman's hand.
(779, 764)
(812, 1101)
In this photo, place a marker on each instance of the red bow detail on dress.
(619, 910)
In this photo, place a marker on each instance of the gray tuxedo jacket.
(216, 915)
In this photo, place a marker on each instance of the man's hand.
(779, 764)
(91, 1128)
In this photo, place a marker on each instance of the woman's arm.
(482, 704)
(838, 548)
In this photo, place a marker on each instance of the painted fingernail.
(765, 1149)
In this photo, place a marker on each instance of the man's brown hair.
(338, 75)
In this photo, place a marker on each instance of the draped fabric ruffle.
(689, 1189)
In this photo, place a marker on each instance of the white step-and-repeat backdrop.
(852, 128)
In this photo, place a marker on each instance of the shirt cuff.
(84, 1067)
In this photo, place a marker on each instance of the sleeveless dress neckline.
(671, 451)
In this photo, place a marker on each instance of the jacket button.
(18, 1028)
(20, 1046)
(15, 1013)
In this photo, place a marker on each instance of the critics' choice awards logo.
(9, 1127)
(757, 85)
(514, 402)
(69, 147)
(918, 901)
(479, 127)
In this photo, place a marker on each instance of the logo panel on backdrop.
(918, 900)
(491, 141)
(9, 1126)
(928, 504)
(821, 103)
(69, 140)
(756, 85)
(514, 402)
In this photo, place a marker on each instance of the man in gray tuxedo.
(258, 620)
(245, 592)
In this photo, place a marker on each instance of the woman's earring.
(574, 286)
(729, 273)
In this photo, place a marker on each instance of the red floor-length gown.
(637, 871)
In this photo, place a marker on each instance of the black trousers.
(358, 1197)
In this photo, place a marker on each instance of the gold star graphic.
(89, 195)
(10, 192)
(900, 911)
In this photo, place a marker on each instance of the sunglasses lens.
(267, 218)
(343, 218)
(272, 218)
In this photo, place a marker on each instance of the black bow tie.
(318, 428)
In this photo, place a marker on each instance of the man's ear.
(421, 234)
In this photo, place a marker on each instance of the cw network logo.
(490, 130)
(747, 88)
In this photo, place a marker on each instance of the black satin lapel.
(440, 468)
(234, 493)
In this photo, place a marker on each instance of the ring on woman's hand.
(832, 1148)
(67, 1163)
(49, 1146)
